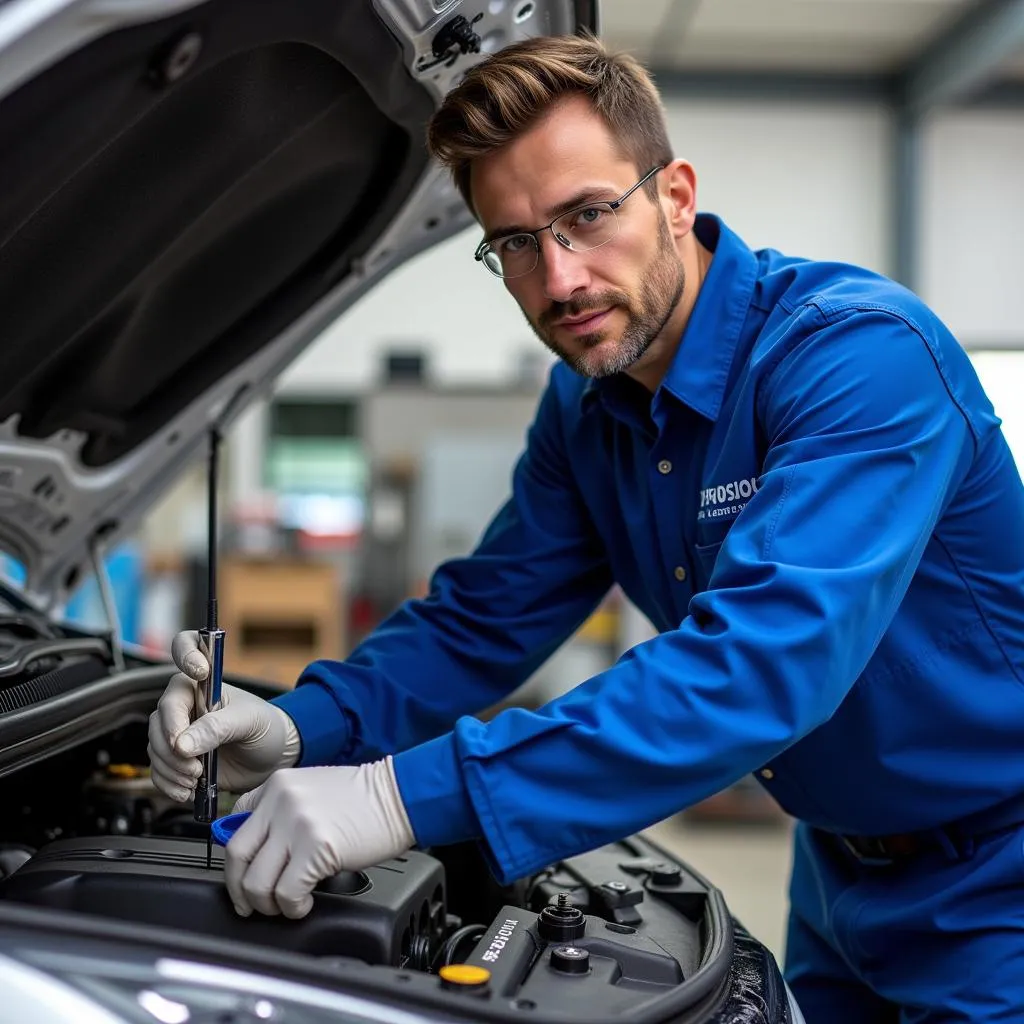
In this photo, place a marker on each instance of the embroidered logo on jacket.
(725, 500)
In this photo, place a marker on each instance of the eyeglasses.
(579, 230)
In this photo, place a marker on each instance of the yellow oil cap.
(464, 976)
(126, 771)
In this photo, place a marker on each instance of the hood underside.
(186, 203)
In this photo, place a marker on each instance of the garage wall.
(810, 179)
(972, 209)
(443, 303)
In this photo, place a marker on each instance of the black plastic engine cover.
(378, 915)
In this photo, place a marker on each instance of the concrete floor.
(749, 863)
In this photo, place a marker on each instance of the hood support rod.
(211, 641)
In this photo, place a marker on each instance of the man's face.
(600, 309)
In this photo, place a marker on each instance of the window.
(315, 463)
(1002, 376)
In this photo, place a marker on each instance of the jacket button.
(767, 773)
(680, 573)
(664, 467)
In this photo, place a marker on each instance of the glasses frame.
(613, 205)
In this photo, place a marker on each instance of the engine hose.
(419, 953)
(446, 955)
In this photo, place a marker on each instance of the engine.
(393, 913)
(622, 920)
(87, 841)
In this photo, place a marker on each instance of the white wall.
(442, 302)
(972, 210)
(811, 179)
(808, 179)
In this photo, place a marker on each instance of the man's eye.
(515, 243)
(587, 218)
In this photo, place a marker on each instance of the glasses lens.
(492, 263)
(586, 228)
(511, 256)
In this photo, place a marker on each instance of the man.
(792, 469)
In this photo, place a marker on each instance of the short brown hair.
(506, 93)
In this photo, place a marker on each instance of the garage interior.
(885, 133)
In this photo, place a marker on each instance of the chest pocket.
(710, 536)
(720, 507)
(706, 557)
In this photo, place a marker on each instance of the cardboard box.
(279, 616)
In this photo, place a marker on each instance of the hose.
(446, 954)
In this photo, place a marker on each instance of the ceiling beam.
(772, 85)
(752, 86)
(965, 58)
(1001, 95)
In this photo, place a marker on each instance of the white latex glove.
(253, 738)
(308, 824)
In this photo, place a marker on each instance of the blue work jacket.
(819, 513)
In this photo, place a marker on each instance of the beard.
(594, 355)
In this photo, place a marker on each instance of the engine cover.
(389, 914)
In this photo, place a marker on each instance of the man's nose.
(565, 272)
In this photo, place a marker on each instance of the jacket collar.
(699, 371)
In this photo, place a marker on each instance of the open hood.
(191, 193)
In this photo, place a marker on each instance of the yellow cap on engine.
(464, 975)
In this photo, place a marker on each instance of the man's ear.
(677, 190)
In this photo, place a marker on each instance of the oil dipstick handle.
(211, 642)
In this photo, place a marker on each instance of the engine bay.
(89, 845)
(621, 928)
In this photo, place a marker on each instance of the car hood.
(191, 193)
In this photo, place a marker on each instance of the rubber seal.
(224, 828)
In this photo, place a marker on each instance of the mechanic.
(791, 468)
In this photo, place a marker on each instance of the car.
(191, 193)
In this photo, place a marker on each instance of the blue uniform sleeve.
(865, 447)
(488, 622)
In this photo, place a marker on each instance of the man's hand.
(253, 737)
(308, 824)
